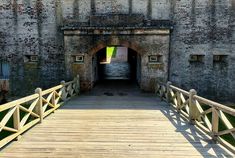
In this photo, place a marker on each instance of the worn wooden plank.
(92, 126)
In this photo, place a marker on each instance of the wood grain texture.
(117, 127)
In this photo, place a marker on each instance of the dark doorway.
(116, 63)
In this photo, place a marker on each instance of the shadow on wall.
(4, 89)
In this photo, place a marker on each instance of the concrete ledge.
(117, 31)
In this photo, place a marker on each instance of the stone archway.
(151, 43)
(124, 65)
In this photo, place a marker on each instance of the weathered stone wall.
(203, 27)
(200, 27)
(30, 27)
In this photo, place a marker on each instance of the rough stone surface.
(205, 27)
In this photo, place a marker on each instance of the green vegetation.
(10, 123)
(228, 137)
(111, 52)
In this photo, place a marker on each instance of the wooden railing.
(20, 115)
(213, 118)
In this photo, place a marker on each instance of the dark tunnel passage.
(116, 63)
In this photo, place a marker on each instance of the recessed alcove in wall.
(196, 58)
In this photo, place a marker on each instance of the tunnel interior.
(116, 63)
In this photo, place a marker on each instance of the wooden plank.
(83, 128)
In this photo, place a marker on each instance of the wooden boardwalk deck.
(114, 127)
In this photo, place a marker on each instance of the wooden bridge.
(175, 124)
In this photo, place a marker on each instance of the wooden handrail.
(215, 105)
(9, 105)
(51, 89)
(28, 111)
(68, 83)
(192, 106)
(179, 90)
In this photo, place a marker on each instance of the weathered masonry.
(148, 42)
(188, 42)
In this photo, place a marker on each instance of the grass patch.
(10, 122)
(228, 137)
(111, 52)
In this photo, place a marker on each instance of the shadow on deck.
(148, 102)
(98, 124)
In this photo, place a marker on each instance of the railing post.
(40, 106)
(63, 90)
(215, 124)
(53, 101)
(192, 106)
(16, 120)
(179, 102)
(168, 95)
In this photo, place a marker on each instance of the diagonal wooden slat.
(24, 120)
(72, 92)
(49, 97)
(6, 118)
(9, 129)
(39, 104)
(182, 99)
(29, 113)
(47, 103)
(26, 110)
(32, 106)
(57, 100)
(173, 95)
(64, 93)
(228, 131)
(185, 103)
(58, 94)
(192, 109)
(206, 112)
(205, 118)
(187, 108)
(44, 107)
(226, 122)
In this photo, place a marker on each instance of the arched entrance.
(147, 57)
(116, 63)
